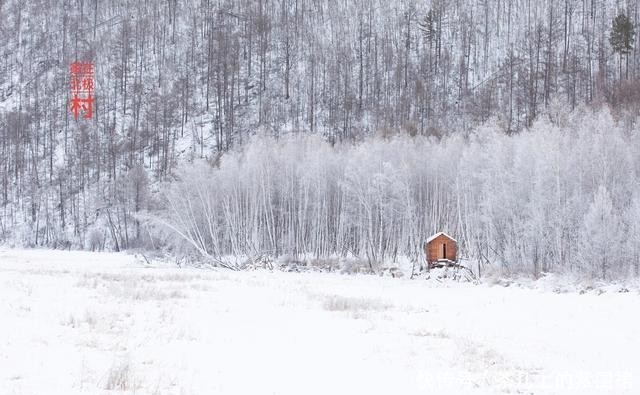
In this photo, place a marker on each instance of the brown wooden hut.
(440, 249)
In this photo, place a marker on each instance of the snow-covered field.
(99, 323)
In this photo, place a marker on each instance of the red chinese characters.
(81, 83)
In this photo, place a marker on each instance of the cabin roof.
(430, 239)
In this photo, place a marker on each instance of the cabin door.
(444, 251)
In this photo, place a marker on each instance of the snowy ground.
(97, 323)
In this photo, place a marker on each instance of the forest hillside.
(494, 94)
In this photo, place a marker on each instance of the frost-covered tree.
(632, 245)
(600, 238)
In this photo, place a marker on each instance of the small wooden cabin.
(440, 248)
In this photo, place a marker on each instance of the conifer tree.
(622, 38)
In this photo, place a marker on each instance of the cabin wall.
(434, 249)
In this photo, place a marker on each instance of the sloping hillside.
(181, 79)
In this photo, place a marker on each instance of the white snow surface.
(433, 237)
(106, 323)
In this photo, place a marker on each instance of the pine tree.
(621, 38)
(430, 30)
(428, 26)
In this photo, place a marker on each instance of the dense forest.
(179, 81)
(562, 196)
